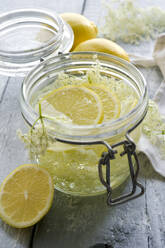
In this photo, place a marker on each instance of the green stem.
(44, 134)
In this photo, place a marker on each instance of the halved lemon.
(111, 103)
(26, 195)
(81, 105)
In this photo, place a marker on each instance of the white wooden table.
(81, 222)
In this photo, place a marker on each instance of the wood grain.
(53, 5)
(12, 154)
(3, 86)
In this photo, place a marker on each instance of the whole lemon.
(102, 45)
(83, 29)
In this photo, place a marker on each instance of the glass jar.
(77, 149)
(29, 35)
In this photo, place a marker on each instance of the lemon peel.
(83, 28)
(102, 45)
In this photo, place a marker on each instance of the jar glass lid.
(29, 35)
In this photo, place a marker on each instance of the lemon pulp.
(111, 103)
(26, 195)
(80, 104)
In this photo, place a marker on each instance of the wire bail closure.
(129, 150)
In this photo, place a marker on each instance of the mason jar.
(89, 159)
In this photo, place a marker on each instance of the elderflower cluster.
(130, 23)
(36, 140)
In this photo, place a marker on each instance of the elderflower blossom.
(130, 23)
(36, 140)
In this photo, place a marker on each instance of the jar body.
(74, 167)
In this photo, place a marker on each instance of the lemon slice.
(111, 104)
(26, 195)
(81, 105)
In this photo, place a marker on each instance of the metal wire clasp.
(129, 150)
(105, 160)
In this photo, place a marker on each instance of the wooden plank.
(3, 86)
(53, 5)
(93, 10)
(12, 154)
(155, 212)
(11, 119)
(15, 238)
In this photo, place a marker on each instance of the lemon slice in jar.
(81, 105)
(26, 195)
(111, 103)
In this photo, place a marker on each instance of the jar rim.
(23, 56)
(110, 127)
(11, 15)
